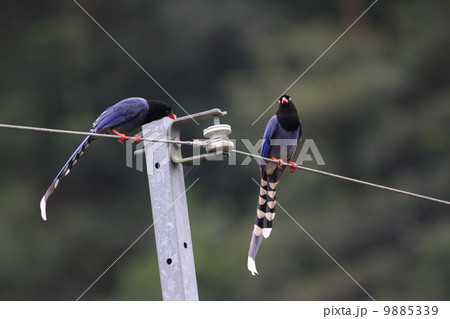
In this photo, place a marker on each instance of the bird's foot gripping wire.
(294, 166)
(126, 137)
(138, 139)
(280, 162)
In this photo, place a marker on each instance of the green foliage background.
(377, 106)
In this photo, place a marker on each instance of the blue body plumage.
(124, 117)
(281, 136)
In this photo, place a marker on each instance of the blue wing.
(269, 133)
(123, 113)
(274, 131)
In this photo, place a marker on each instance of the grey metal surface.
(175, 134)
(171, 219)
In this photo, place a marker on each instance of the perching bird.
(121, 118)
(281, 136)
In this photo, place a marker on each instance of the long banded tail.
(265, 213)
(63, 172)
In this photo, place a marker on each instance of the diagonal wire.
(321, 247)
(134, 242)
(354, 180)
(318, 58)
(328, 254)
(132, 58)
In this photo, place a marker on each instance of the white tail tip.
(43, 206)
(266, 232)
(251, 265)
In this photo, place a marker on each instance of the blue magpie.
(121, 118)
(282, 134)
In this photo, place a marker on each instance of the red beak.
(284, 100)
(172, 116)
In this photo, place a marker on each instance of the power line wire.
(312, 170)
(132, 138)
(199, 143)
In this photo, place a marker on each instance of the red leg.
(126, 137)
(294, 166)
(280, 162)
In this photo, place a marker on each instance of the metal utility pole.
(168, 196)
(171, 218)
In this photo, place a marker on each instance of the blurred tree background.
(377, 106)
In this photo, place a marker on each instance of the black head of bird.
(287, 113)
(158, 110)
(284, 99)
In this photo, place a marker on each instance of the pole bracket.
(217, 145)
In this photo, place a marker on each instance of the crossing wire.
(198, 143)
